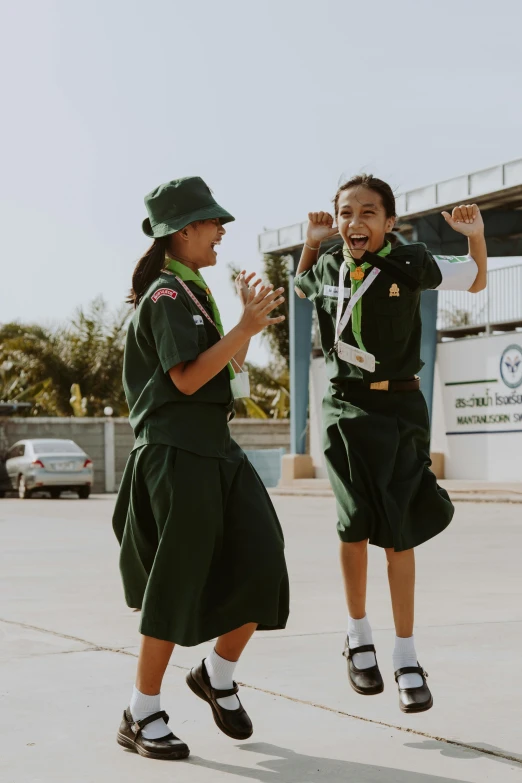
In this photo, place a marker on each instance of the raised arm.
(467, 220)
(320, 227)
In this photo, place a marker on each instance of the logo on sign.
(511, 366)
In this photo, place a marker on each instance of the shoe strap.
(216, 694)
(362, 649)
(410, 670)
(139, 725)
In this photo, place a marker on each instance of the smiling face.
(362, 220)
(196, 243)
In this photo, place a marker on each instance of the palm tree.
(41, 365)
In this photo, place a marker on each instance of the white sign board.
(481, 381)
(492, 402)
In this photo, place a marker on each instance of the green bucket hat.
(175, 204)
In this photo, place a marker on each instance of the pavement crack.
(123, 651)
(29, 627)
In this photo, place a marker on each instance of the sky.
(271, 103)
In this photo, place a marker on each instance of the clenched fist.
(320, 227)
(465, 219)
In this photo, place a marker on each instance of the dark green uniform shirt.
(390, 324)
(167, 329)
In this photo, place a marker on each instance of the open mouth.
(214, 245)
(358, 241)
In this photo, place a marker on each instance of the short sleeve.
(458, 272)
(310, 282)
(174, 331)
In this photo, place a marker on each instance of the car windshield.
(56, 447)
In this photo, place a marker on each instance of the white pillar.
(110, 456)
(318, 388)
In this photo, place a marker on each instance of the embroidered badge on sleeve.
(163, 292)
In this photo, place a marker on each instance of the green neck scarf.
(186, 274)
(356, 284)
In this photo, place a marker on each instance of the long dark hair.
(147, 270)
(371, 182)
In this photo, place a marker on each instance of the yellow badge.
(357, 274)
(394, 290)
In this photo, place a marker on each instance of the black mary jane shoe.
(414, 699)
(130, 736)
(233, 723)
(369, 681)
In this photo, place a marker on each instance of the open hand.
(320, 227)
(260, 303)
(465, 219)
(243, 283)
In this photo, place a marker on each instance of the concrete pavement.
(68, 648)
(459, 490)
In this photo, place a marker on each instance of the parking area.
(68, 647)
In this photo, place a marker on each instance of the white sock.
(404, 655)
(141, 706)
(221, 675)
(359, 633)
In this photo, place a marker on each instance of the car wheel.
(84, 492)
(23, 492)
(55, 493)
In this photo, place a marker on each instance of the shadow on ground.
(291, 767)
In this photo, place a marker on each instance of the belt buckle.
(380, 385)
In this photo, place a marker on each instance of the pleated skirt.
(377, 445)
(202, 550)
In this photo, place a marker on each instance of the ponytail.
(147, 270)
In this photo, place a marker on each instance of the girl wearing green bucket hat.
(202, 551)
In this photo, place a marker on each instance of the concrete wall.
(261, 433)
(108, 442)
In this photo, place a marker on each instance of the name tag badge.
(198, 320)
(333, 291)
(362, 359)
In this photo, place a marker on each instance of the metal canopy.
(497, 190)
(490, 188)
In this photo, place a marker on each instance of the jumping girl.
(376, 427)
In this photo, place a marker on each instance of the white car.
(49, 464)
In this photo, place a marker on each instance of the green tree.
(41, 365)
(270, 386)
(277, 337)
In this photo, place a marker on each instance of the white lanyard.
(341, 321)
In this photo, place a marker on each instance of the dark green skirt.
(202, 551)
(377, 449)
